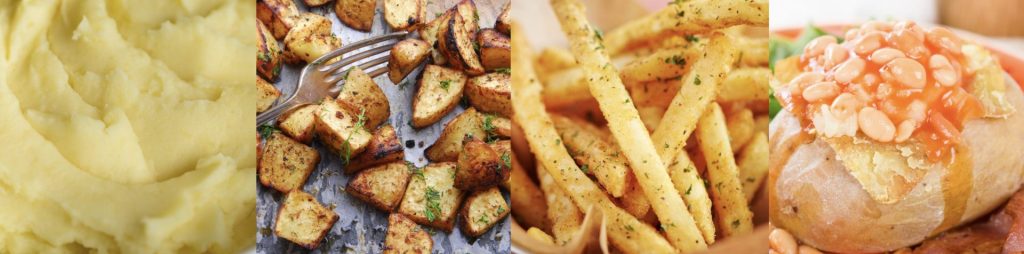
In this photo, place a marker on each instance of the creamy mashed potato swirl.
(126, 126)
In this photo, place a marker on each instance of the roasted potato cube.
(268, 94)
(314, 3)
(504, 22)
(383, 148)
(448, 146)
(483, 210)
(406, 237)
(278, 15)
(479, 166)
(458, 46)
(405, 56)
(495, 50)
(497, 127)
(405, 15)
(298, 123)
(342, 127)
(429, 34)
(381, 186)
(286, 164)
(467, 9)
(309, 39)
(440, 89)
(303, 220)
(491, 93)
(360, 90)
(357, 14)
(268, 53)
(431, 198)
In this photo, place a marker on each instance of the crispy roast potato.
(429, 34)
(431, 198)
(479, 166)
(357, 14)
(457, 44)
(268, 94)
(315, 3)
(405, 15)
(449, 144)
(298, 123)
(309, 39)
(440, 90)
(278, 15)
(406, 237)
(360, 90)
(303, 220)
(268, 53)
(504, 22)
(381, 186)
(342, 127)
(286, 164)
(491, 93)
(383, 148)
(495, 51)
(405, 56)
(467, 9)
(483, 210)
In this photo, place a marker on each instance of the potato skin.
(357, 14)
(383, 148)
(449, 144)
(405, 15)
(456, 43)
(405, 56)
(491, 93)
(268, 94)
(278, 15)
(268, 53)
(495, 49)
(504, 22)
(479, 166)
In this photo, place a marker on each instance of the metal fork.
(319, 80)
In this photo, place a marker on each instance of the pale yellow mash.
(126, 126)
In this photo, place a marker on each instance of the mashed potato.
(126, 126)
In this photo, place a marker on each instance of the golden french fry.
(753, 164)
(662, 65)
(565, 217)
(733, 213)
(753, 51)
(626, 232)
(633, 200)
(741, 128)
(538, 234)
(528, 204)
(745, 84)
(689, 184)
(761, 123)
(628, 130)
(568, 87)
(553, 59)
(595, 156)
(686, 18)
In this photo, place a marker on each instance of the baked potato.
(504, 21)
(309, 39)
(383, 148)
(495, 50)
(298, 123)
(357, 14)
(286, 163)
(303, 220)
(268, 94)
(405, 56)
(405, 15)
(278, 15)
(406, 237)
(431, 198)
(268, 53)
(458, 45)
(359, 89)
(440, 90)
(342, 127)
(491, 93)
(479, 166)
(483, 210)
(382, 186)
(448, 146)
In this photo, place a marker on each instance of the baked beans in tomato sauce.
(892, 82)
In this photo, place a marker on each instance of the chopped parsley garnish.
(676, 60)
(266, 130)
(585, 168)
(696, 80)
(506, 159)
(503, 70)
(483, 219)
(489, 128)
(598, 34)
(692, 38)
(416, 171)
(346, 149)
(445, 84)
(433, 199)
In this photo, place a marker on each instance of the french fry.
(567, 87)
(662, 65)
(687, 180)
(741, 128)
(565, 217)
(633, 200)
(627, 233)
(698, 90)
(753, 164)
(732, 212)
(745, 84)
(553, 59)
(651, 116)
(594, 155)
(761, 123)
(528, 205)
(628, 130)
(538, 234)
(753, 51)
(687, 17)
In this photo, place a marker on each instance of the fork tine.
(348, 60)
(380, 60)
(359, 45)
(378, 71)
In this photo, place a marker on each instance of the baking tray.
(360, 227)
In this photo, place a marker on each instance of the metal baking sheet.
(361, 228)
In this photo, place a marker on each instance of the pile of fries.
(606, 125)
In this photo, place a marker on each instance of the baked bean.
(821, 91)
(884, 55)
(883, 91)
(817, 46)
(944, 127)
(851, 34)
(942, 70)
(772, 251)
(849, 70)
(907, 42)
(804, 79)
(916, 111)
(835, 54)
(804, 249)
(870, 78)
(876, 26)
(944, 39)
(859, 91)
(875, 124)
(910, 27)
(868, 43)
(846, 105)
(903, 250)
(904, 71)
(782, 242)
(904, 130)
